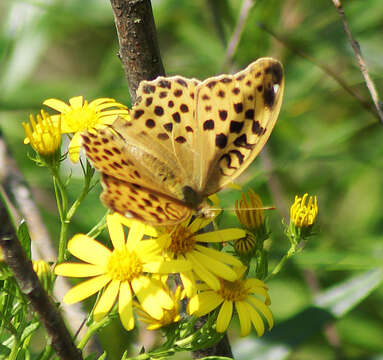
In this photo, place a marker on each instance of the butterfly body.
(185, 141)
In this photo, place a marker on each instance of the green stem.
(47, 353)
(15, 349)
(9, 326)
(282, 262)
(92, 328)
(80, 198)
(62, 205)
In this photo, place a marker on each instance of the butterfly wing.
(143, 204)
(235, 116)
(151, 154)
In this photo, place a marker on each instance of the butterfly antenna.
(244, 209)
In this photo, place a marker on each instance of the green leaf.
(342, 298)
(25, 239)
(4, 352)
(29, 330)
(93, 356)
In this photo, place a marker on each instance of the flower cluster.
(44, 133)
(139, 265)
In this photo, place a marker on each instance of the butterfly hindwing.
(141, 203)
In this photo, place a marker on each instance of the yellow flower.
(43, 133)
(122, 272)
(170, 316)
(44, 273)
(80, 116)
(243, 293)
(250, 214)
(303, 214)
(185, 242)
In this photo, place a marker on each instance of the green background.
(325, 143)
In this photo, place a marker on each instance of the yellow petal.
(87, 249)
(76, 102)
(135, 235)
(221, 235)
(78, 270)
(151, 297)
(259, 305)
(224, 316)
(244, 319)
(255, 283)
(106, 300)
(219, 255)
(58, 105)
(125, 308)
(116, 232)
(216, 267)
(188, 282)
(149, 230)
(149, 250)
(86, 289)
(193, 305)
(203, 273)
(167, 267)
(101, 105)
(75, 147)
(256, 320)
(208, 301)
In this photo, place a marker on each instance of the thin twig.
(358, 54)
(139, 52)
(324, 68)
(30, 286)
(216, 15)
(235, 38)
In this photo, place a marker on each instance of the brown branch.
(324, 68)
(30, 286)
(139, 51)
(361, 63)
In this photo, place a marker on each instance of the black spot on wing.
(221, 141)
(269, 96)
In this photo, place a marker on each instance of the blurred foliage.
(325, 143)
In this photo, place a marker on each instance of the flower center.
(82, 118)
(182, 240)
(233, 291)
(169, 316)
(124, 265)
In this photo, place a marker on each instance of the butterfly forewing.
(165, 113)
(235, 116)
(125, 160)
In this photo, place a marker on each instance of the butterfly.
(186, 140)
